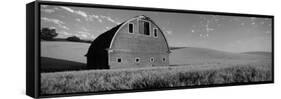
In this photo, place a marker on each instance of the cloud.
(44, 6)
(107, 27)
(67, 9)
(81, 13)
(100, 20)
(204, 35)
(77, 12)
(84, 35)
(92, 17)
(192, 31)
(64, 27)
(48, 10)
(110, 19)
(209, 29)
(55, 21)
(83, 32)
(64, 33)
(169, 32)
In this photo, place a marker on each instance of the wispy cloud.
(107, 27)
(169, 32)
(110, 19)
(48, 10)
(44, 6)
(64, 27)
(77, 12)
(89, 17)
(55, 21)
(84, 35)
(204, 35)
(81, 13)
(67, 9)
(100, 20)
(192, 31)
(65, 33)
(92, 17)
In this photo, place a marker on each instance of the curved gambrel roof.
(145, 18)
(105, 40)
(102, 42)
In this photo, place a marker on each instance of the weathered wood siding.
(129, 46)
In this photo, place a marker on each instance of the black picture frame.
(33, 46)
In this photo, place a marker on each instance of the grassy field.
(145, 78)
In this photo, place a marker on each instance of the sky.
(225, 33)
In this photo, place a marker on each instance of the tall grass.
(105, 80)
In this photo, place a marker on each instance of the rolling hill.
(64, 50)
(268, 54)
(192, 55)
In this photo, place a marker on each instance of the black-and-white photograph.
(87, 49)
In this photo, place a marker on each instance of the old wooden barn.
(137, 42)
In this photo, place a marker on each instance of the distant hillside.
(269, 54)
(192, 55)
(65, 39)
(175, 48)
(70, 51)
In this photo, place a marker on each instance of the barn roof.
(102, 42)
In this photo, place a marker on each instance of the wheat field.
(146, 78)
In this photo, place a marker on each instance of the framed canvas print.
(85, 49)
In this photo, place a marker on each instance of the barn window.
(137, 60)
(144, 27)
(155, 32)
(119, 60)
(151, 59)
(131, 28)
(164, 59)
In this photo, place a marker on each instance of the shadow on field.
(55, 65)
